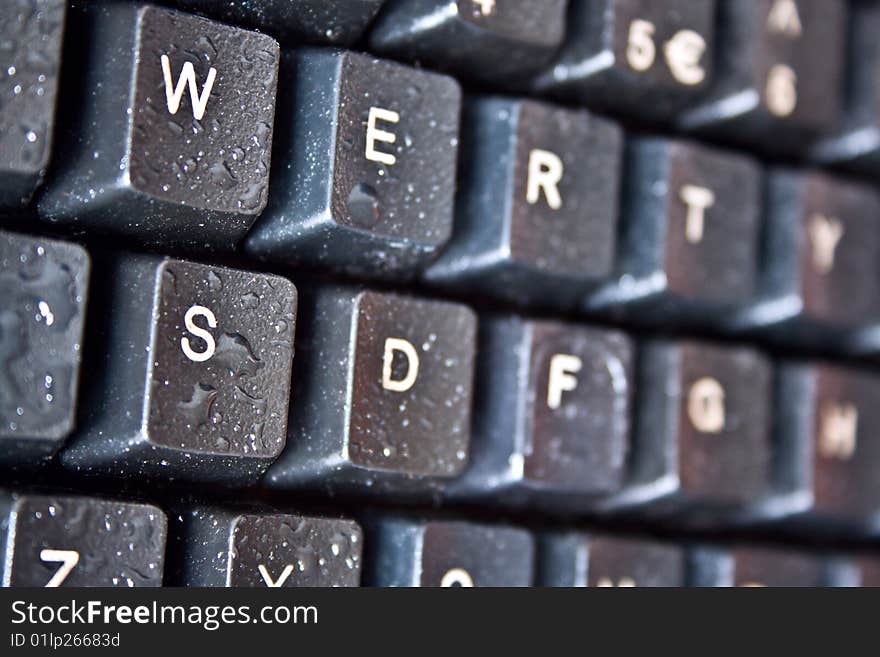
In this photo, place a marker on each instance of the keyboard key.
(449, 554)
(831, 418)
(366, 176)
(338, 22)
(820, 276)
(537, 206)
(689, 244)
(477, 39)
(222, 548)
(383, 394)
(855, 142)
(748, 566)
(702, 440)
(575, 559)
(869, 571)
(80, 541)
(173, 142)
(777, 84)
(552, 414)
(195, 378)
(31, 33)
(43, 292)
(643, 58)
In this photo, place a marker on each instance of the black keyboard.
(439, 293)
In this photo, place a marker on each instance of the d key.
(196, 376)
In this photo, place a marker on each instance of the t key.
(449, 554)
(640, 57)
(495, 41)
(43, 290)
(702, 441)
(31, 33)
(383, 394)
(221, 548)
(366, 174)
(574, 559)
(536, 215)
(777, 83)
(689, 245)
(174, 135)
(552, 414)
(196, 378)
(80, 541)
(340, 22)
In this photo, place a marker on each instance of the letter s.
(210, 345)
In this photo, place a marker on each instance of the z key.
(80, 541)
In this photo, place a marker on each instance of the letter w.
(187, 77)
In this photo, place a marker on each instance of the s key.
(224, 548)
(383, 394)
(43, 292)
(448, 554)
(173, 135)
(53, 541)
(194, 376)
(366, 173)
(645, 58)
(778, 81)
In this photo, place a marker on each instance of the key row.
(188, 373)
(51, 541)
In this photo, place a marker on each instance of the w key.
(173, 142)
(195, 378)
(80, 541)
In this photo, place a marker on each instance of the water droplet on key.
(363, 206)
(250, 300)
(214, 281)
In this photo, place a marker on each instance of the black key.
(689, 245)
(855, 142)
(43, 291)
(485, 40)
(820, 277)
(338, 22)
(869, 572)
(383, 394)
(643, 58)
(552, 414)
(574, 559)
(778, 82)
(195, 378)
(537, 207)
(80, 541)
(750, 566)
(702, 440)
(174, 129)
(366, 176)
(30, 32)
(829, 422)
(223, 548)
(448, 554)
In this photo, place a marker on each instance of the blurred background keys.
(778, 79)
(172, 142)
(552, 414)
(366, 175)
(820, 270)
(576, 559)
(536, 215)
(754, 566)
(448, 554)
(854, 143)
(830, 422)
(191, 375)
(31, 33)
(495, 41)
(689, 246)
(702, 440)
(43, 291)
(337, 22)
(224, 548)
(80, 541)
(644, 58)
(383, 394)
